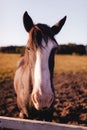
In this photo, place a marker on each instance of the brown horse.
(33, 78)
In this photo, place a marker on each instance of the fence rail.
(22, 124)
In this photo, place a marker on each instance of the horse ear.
(27, 21)
(57, 27)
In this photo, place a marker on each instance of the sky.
(12, 31)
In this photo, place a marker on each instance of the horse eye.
(28, 48)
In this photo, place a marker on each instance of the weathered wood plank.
(22, 124)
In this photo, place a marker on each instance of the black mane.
(41, 31)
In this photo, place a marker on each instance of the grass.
(70, 64)
(63, 64)
(8, 64)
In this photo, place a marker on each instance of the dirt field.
(70, 104)
(70, 81)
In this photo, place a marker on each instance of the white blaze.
(42, 83)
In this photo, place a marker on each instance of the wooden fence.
(22, 124)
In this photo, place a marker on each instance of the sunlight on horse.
(33, 78)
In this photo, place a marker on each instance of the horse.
(33, 80)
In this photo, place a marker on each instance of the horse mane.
(39, 32)
(46, 32)
(36, 34)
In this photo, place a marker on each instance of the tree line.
(71, 49)
(12, 49)
(62, 49)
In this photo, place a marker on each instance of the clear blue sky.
(49, 12)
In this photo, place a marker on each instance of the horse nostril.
(51, 99)
(34, 98)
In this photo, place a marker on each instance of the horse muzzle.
(42, 101)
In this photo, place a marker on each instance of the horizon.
(58, 44)
(13, 33)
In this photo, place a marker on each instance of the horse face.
(41, 40)
(42, 95)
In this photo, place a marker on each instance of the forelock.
(39, 32)
(46, 30)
